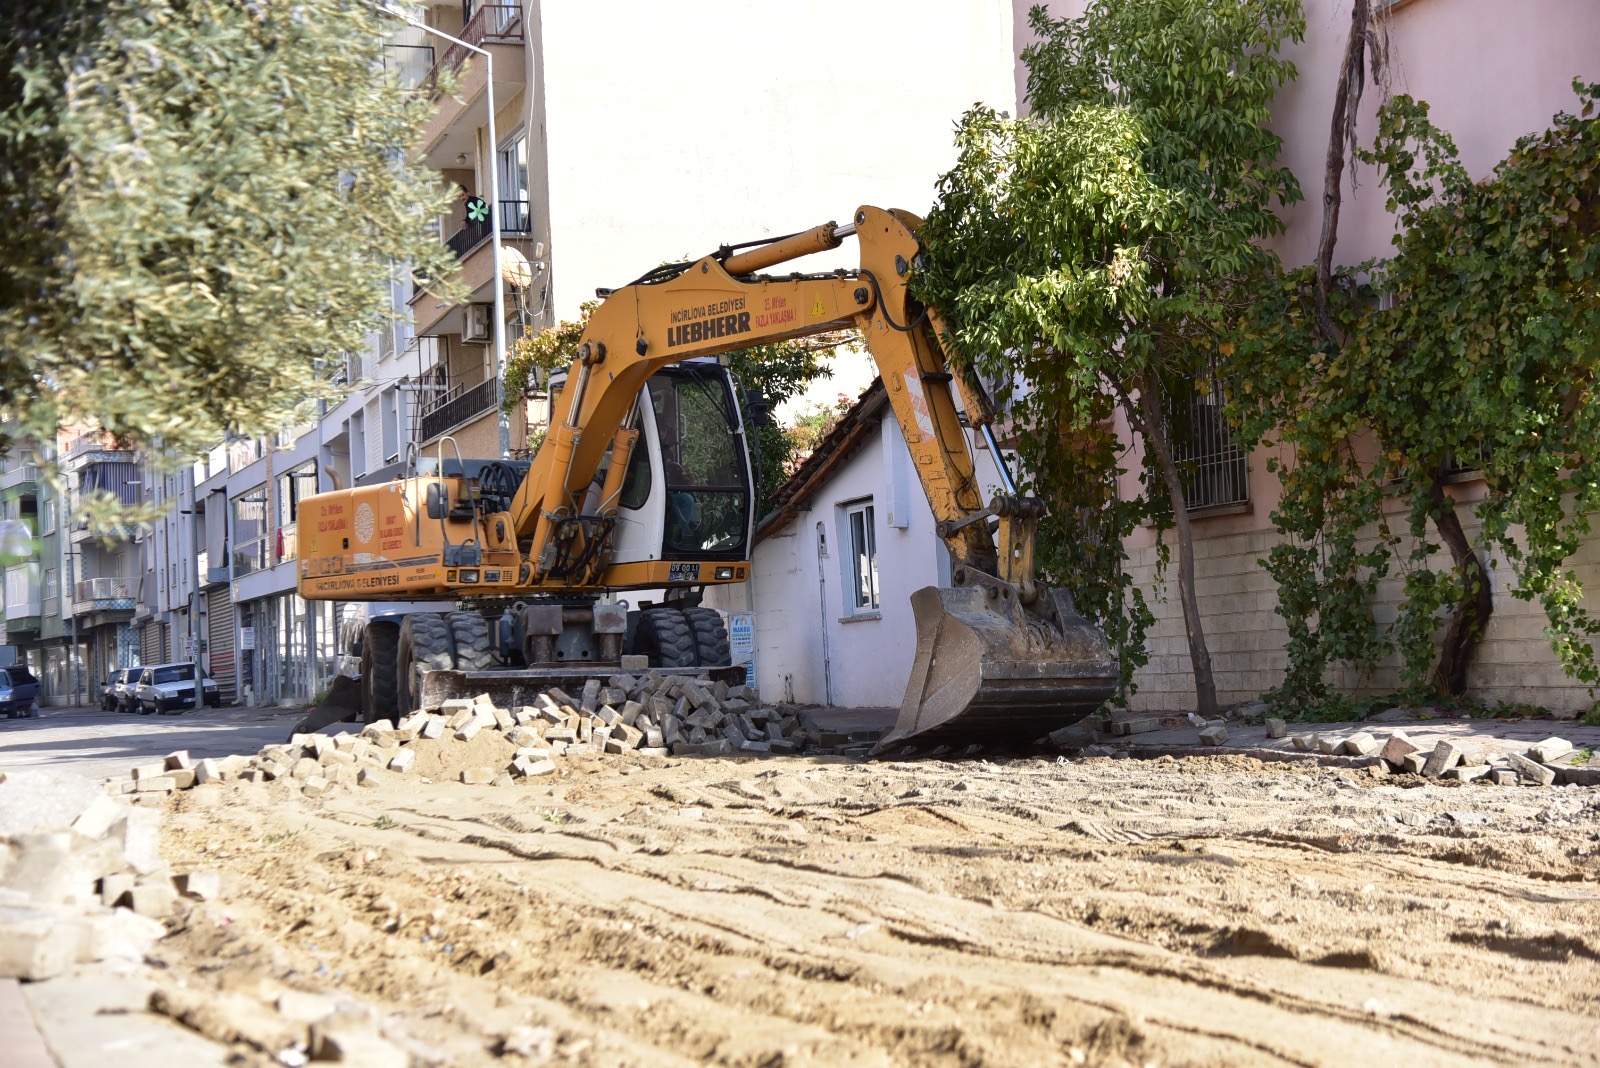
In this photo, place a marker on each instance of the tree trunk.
(1155, 436)
(1471, 614)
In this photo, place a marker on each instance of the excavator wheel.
(425, 646)
(380, 653)
(666, 637)
(471, 634)
(710, 637)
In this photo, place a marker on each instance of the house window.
(513, 175)
(1212, 466)
(358, 443)
(249, 532)
(391, 425)
(47, 516)
(861, 557)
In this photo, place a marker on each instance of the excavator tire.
(471, 634)
(424, 646)
(666, 637)
(380, 655)
(710, 637)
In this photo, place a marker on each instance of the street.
(99, 744)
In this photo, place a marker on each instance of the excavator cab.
(689, 491)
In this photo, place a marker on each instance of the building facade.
(1488, 80)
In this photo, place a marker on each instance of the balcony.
(22, 598)
(491, 24)
(515, 221)
(459, 406)
(450, 131)
(20, 476)
(101, 594)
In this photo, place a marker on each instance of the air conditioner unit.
(479, 325)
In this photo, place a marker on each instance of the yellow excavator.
(644, 481)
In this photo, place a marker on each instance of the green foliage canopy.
(1102, 247)
(1484, 351)
(201, 199)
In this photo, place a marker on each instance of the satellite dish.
(514, 268)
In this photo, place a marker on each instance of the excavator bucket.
(988, 670)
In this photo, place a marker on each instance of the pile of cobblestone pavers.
(1547, 763)
(649, 715)
(81, 876)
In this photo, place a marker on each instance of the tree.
(1102, 249)
(1483, 351)
(202, 200)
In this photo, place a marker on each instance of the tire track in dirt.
(817, 916)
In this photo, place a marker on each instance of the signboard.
(742, 642)
(247, 637)
(188, 647)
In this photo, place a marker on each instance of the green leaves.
(205, 199)
(1485, 347)
(1106, 244)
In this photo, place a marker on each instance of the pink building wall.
(1491, 72)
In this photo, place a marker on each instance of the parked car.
(170, 688)
(117, 696)
(19, 692)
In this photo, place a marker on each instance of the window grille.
(1211, 465)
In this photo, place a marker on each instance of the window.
(391, 425)
(513, 175)
(707, 486)
(292, 487)
(861, 557)
(1212, 466)
(249, 531)
(52, 591)
(47, 516)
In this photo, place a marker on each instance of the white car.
(170, 688)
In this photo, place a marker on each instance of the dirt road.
(826, 911)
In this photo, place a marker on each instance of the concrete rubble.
(648, 715)
(81, 875)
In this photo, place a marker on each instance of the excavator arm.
(998, 654)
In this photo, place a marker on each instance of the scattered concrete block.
(1119, 727)
(1396, 748)
(207, 770)
(477, 776)
(200, 885)
(1584, 776)
(1414, 762)
(502, 779)
(1504, 777)
(1276, 728)
(1550, 751)
(403, 761)
(635, 663)
(469, 730)
(1445, 756)
(115, 887)
(1328, 745)
(1302, 741)
(331, 757)
(102, 814)
(1362, 744)
(304, 1007)
(1530, 771)
(120, 934)
(354, 1043)
(1467, 772)
(316, 786)
(503, 719)
(155, 899)
(177, 760)
(149, 771)
(35, 944)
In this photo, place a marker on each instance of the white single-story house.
(835, 564)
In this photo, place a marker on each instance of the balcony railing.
(460, 406)
(104, 589)
(21, 475)
(515, 220)
(491, 24)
